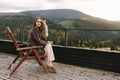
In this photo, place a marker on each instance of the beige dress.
(49, 51)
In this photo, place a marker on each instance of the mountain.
(4, 14)
(73, 19)
(59, 14)
(69, 19)
(66, 16)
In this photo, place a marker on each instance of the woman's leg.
(50, 66)
(50, 58)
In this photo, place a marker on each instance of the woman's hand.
(44, 22)
(50, 42)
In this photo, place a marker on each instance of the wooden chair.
(25, 55)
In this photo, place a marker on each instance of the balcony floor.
(30, 70)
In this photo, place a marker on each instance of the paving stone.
(30, 70)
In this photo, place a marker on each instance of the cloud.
(54, 1)
(98, 8)
(6, 5)
(20, 5)
(106, 9)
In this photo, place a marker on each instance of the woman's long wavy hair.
(42, 28)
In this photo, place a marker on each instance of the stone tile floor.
(30, 70)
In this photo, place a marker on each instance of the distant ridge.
(59, 14)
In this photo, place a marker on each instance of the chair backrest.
(12, 37)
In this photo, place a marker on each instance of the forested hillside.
(81, 27)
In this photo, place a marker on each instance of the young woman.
(37, 37)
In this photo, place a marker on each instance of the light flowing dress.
(49, 50)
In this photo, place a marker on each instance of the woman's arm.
(46, 28)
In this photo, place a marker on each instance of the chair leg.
(13, 61)
(40, 62)
(21, 61)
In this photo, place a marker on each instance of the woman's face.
(38, 22)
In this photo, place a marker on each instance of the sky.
(106, 9)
